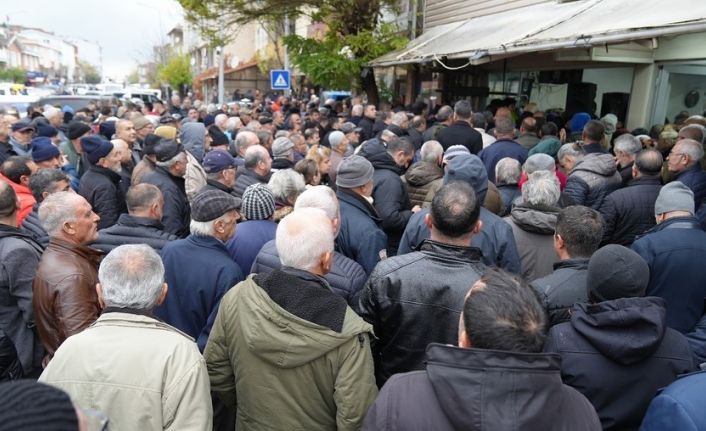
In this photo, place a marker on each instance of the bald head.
(648, 162)
(694, 131)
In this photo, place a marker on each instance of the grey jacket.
(592, 179)
(533, 229)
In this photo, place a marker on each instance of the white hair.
(388, 135)
(303, 237)
(203, 228)
(211, 108)
(286, 184)
(51, 112)
(698, 127)
(628, 144)
(507, 171)
(541, 189)
(57, 209)
(253, 126)
(220, 120)
(691, 148)
(398, 118)
(131, 276)
(233, 124)
(539, 162)
(357, 110)
(431, 150)
(568, 150)
(321, 197)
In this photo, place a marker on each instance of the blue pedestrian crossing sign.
(279, 79)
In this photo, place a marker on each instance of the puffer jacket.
(360, 237)
(290, 355)
(33, 226)
(65, 300)
(346, 277)
(592, 179)
(176, 214)
(133, 230)
(416, 299)
(24, 196)
(533, 229)
(102, 189)
(422, 181)
(630, 211)
(475, 389)
(618, 354)
(563, 288)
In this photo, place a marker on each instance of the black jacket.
(360, 237)
(389, 193)
(102, 189)
(346, 277)
(474, 389)
(563, 288)
(630, 211)
(281, 163)
(366, 125)
(246, 178)
(33, 226)
(694, 178)
(133, 230)
(415, 138)
(461, 133)
(176, 214)
(618, 354)
(416, 299)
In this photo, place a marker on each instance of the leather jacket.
(65, 300)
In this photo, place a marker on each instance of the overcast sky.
(126, 30)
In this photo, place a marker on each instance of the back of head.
(696, 132)
(455, 209)
(628, 144)
(431, 151)
(253, 155)
(8, 200)
(131, 276)
(569, 150)
(303, 237)
(400, 144)
(445, 112)
(504, 126)
(141, 197)
(286, 185)
(541, 189)
(478, 120)
(398, 118)
(549, 129)
(321, 197)
(594, 131)
(46, 180)
(649, 162)
(463, 110)
(581, 229)
(502, 312)
(529, 125)
(15, 167)
(616, 272)
(539, 162)
(507, 171)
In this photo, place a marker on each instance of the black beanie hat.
(616, 272)
(28, 406)
(151, 141)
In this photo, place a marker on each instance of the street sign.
(279, 79)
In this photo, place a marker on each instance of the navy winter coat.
(694, 177)
(249, 238)
(360, 237)
(498, 150)
(680, 406)
(630, 211)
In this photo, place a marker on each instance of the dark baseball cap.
(22, 124)
(218, 160)
(167, 149)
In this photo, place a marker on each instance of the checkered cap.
(210, 204)
(258, 202)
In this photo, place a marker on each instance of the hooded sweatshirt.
(302, 356)
(192, 136)
(533, 229)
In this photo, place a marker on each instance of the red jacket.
(24, 194)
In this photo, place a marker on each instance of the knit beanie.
(166, 132)
(258, 202)
(218, 138)
(674, 196)
(354, 171)
(47, 130)
(43, 149)
(107, 129)
(616, 272)
(95, 147)
(468, 168)
(77, 129)
(454, 151)
(31, 406)
(149, 143)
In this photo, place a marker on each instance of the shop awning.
(551, 26)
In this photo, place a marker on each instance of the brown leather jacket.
(65, 300)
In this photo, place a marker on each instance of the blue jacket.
(498, 150)
(198, 271)
(495, 240)
(680, 406)
(360, 237)
(249, 238)
(695, 178)
(346, 277)
(675, 250)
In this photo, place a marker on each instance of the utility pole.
(221, 90)
(286, 55)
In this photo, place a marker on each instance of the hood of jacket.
(285, 340)
(535, 220)
(378, 156)
(514, 388)
(422, 173)
(599, 163)
(626, 330)
(192, 136)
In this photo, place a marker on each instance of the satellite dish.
(234, 62)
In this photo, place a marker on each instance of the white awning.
(551, 26)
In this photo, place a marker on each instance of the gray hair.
(357, 110)
(281, 143)
(220, 120)
(203, 228)
(303, 237)
(51, 112)
(254, 155)
(539, 162)
(57, 209)
(286, 184)
(445, 112)
(699, 127)
(691, 148)
(387, 135)
(279, 134)
(627, 143)
(242, 139)
(431, 150)
(167, 164)
(131, 276)
(507, 171)
(321, 197)
(253, 126)
(398, 118)
(233, 124)
(541, 189)
(568, 150)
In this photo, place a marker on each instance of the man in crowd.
(21, 137)
(142, 224)
(19, 254)
(72, 149)
(137, 370)
(339, 148)
(220, 169)
(45, 154)
(480, 123)
(630, 211)
(508, 172)
(549, 143)
(460, 132)
(626, 147)
(244, 140)
(497, 368)
(283, 152)
(127, 131)
(367, 122)
(684, 162)
(199, 269)
(16, 171)
(444, 118)
(285, 350)
(168, 176)
(675, 251)
(257, 169)
(528, 133)
(617, 350)
(415, 299)
(346, 277)
(101, 184)
(578, 233)
(505, 146)
(361, 237)
(42, 184)
(424, 178)
(65, 301)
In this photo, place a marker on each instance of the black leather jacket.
(416, 299)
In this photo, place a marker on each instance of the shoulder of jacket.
(395, 263)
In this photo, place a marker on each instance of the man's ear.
(327, 262)
(99, 292)
(427, 221)
(477, 227)
(559, 241)
(162, 295)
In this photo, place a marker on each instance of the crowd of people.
(297, 264)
